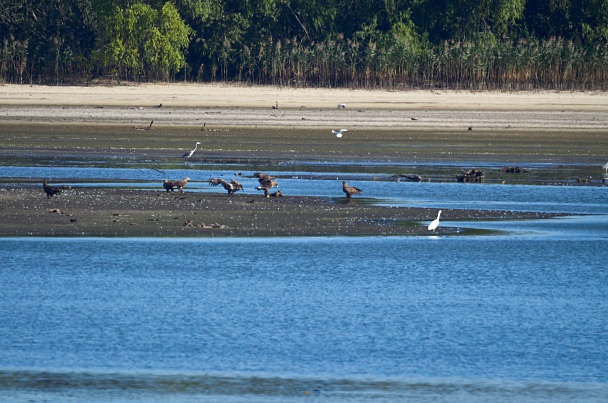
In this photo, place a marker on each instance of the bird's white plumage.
(189, 153)
(435, 223)
(339, 133)
(605, 166)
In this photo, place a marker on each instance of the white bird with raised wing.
(435, 223)
(339, 133)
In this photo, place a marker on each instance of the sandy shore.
(242, 106)
(223, 95)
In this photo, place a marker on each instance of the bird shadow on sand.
(359, 201)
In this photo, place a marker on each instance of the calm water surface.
(520, 316)
(439, 195)
(511, 317)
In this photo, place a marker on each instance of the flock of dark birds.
(266, 183)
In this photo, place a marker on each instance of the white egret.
(435, 223)
(189, 153)
(338, 133)
(605, 166)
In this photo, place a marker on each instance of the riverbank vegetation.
(462, 44)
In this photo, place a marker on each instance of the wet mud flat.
(118, 212)
(432, 135)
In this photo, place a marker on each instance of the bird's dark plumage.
(171, 185)
(232, 187)
(262, 176)
(350, 190)
(266, 185)
(50, 190)
(168, 185)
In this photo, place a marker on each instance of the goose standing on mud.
(189, 153)
(435, 223)
(350, 190)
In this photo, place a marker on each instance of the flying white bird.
(189, 153)
(338, 133)
(435, 223)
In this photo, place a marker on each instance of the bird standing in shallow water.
(350, 190)
(435, 223)
(189, 153)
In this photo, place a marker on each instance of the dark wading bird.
(50, 190)
(350, 190)
(231, 186)
(189, 153)
(171, 185)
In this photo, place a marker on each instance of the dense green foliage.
(480, 44)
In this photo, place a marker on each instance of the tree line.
(461, 44)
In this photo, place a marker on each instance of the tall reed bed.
(527, 64)
(555, 64)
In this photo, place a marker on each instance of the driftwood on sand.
(412, 178)
(472, 175)
(514, 170)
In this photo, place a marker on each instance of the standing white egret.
(338, 133)
(605, 166)
(189, 153)
(435, 223)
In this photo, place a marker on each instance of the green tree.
(139, 41)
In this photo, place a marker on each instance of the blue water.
(436, 195)
(519, 316)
